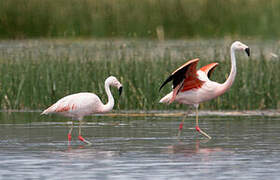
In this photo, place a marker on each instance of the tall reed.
(34, 74)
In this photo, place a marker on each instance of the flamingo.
(192, 86)
(83, 104)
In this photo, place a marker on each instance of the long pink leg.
(70, 132)
(80, 134)
(197, 127)
(182, 124)
(181, 127)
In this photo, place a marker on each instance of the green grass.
(34, 74)
(134, 18)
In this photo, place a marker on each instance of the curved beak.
(120, 90)
(247, 50)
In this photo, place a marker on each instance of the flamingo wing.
(179, 74)
(208, 69)
(76, 105)
(65, 107)
(59, 107)
(184, 78)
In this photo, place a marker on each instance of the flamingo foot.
(181, 126)
(69, 137)
(180, 129)
(202, 132)
(197, 129)
(84, 140)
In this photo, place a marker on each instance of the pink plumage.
(83, 104)
(192, 86)
(77, 105)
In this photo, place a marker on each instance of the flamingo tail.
(167, 98)
(49, 110)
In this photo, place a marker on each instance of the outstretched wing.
(208, 69)
(180, 74)
(184, 78)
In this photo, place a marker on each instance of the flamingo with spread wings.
(83, 104)
(192, 86)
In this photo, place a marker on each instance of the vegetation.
(34, 74)
(133, 18)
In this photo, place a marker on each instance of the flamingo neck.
(110, 104)
(228, 83)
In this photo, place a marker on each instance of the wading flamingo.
(192, 86)
(83, 104)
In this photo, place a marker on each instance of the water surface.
(36, 147)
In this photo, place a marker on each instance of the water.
(36, 147)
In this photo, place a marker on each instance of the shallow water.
(36, 147)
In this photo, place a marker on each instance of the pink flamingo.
(192, 86)
(83, 104)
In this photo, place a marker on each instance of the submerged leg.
(80, 133)
(70, 131)
(182, 124)
(197, 127)
(181, 127)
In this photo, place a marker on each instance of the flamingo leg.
(182, 124)
(197, 127)
(181, 127)
(70, 132)
(80, 134)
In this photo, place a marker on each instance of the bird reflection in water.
(86, 151)
(194, 149)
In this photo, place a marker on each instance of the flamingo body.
(201, 92)
(83, 104)
(192, 86)
(76, 105)
(196, 87)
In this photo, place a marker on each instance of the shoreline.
(172, 113)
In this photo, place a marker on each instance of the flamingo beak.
(120, 90)
(247, 50)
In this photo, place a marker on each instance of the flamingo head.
(112, 80)
(237, 45)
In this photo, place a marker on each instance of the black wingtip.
(170, 78)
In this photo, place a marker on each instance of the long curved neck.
(110, 104)
(228, 83)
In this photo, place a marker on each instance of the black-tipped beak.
(120, 90)
(247, 50)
